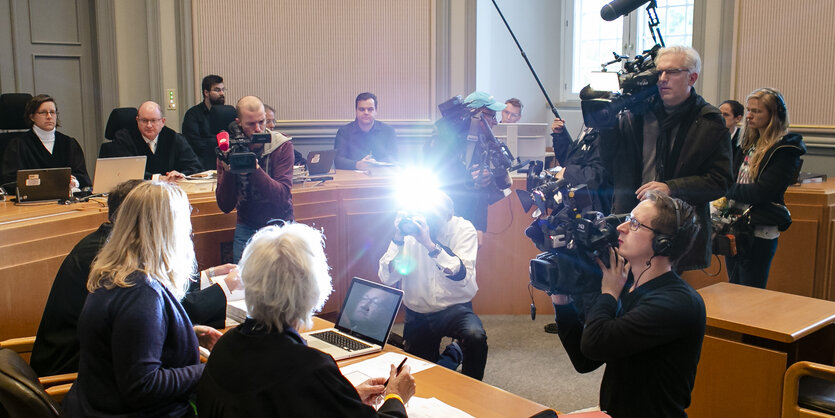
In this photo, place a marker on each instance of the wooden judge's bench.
(356, 213)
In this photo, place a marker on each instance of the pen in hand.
(397, 372)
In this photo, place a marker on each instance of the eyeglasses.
(509, 113)
(672, 71)
(47, 112)
(143, 121)
(634, 224)
(219, 90)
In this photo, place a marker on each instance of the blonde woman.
(139, 352)
(766, 166)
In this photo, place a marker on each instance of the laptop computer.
(320, 162)
(112, 171)
(43, 185)
(364, 322)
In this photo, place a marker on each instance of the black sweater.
(777, 172)
(650, 342)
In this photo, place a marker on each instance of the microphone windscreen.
(618, 8)
(223, 141)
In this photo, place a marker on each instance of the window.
(592, 40)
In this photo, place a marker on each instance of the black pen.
(397, 372)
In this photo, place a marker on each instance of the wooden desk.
(465, 393)
(355, 211)
(752, 336)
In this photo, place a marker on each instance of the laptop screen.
(369, 310)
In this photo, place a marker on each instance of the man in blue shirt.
(365, 141)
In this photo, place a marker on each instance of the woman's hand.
(207, 336)
(371, 389)
(614, 276)
(402, 384)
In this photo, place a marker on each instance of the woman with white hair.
(263, 367)
(139, 352)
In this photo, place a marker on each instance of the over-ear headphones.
(781, 104)
(662, 244)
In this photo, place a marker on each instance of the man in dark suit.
(56, 349)
(732, 113)
(168, 152)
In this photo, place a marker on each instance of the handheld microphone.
(223, 141)
(618, 8)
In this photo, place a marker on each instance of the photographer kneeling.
(648, 324)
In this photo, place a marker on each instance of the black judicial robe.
(173, 151)
(28, 152)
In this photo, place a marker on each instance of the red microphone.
(223, 141)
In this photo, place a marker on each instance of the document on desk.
(380, 366)
(432, 407)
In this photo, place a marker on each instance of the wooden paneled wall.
(787, 45)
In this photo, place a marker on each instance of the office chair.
(809, 390)
(220, 116)
(120, 118)
(21, 394)
(11, 119)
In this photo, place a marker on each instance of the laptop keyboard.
(339, 340)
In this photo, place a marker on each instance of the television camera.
(234, 149)
(467, 135)
(569, 233)
(636, 80)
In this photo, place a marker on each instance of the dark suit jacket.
(698, 173)
(56, 349)
(173, 151)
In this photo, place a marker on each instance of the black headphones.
(781, 104)
(664, 244)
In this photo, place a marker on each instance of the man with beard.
(196, 122)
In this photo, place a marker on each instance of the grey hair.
(691, 57)
(285, 273)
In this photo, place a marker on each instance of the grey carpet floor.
(525, 360)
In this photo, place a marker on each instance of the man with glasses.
(263, 195)
(647, 324)
(197, 126)
(512, 111)
(679, 146)
(168, 153)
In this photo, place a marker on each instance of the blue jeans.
(751, 264)
(242, 235)
(423, 332)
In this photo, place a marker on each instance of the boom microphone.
(223, 141)
(618, 8)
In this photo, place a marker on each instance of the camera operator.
(435, 265)
(647, 325)
(264, 194)
(680, 147)
(581, 163)
(469, 184)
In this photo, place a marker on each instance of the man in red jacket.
(263, 195)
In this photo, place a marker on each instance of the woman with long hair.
(139, 352)
(768, 164)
